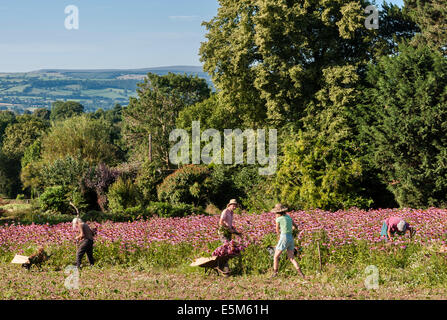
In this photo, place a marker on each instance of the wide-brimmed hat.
(232, 201)
(402, 226)
(279, 208)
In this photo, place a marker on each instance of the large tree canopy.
(267, 57)
(81, 138)
(431, 16)
(18, 136)
(154, 112)
(409, 131)
(63, 110)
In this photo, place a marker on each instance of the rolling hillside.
(102, 88)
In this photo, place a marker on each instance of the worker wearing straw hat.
(284, 228)
(226, 228)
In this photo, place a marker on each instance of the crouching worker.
(284, 229)
(86, 245)
(397, 225)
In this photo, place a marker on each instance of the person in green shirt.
(284, 229)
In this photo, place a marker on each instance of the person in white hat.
(284, 229)
(394, 225)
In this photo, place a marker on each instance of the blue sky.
(112, 33)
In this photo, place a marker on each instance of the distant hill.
(94, 88)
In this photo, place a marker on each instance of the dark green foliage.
(155, 111)
(189, 184)
(54, 200)
(410, 134)
(63, 110)
(149, 177)
(122, 194)
(6, 118)
(431, 17)
(10, 184)
(42, 113)
(166, 210)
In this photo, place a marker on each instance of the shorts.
(286, 242)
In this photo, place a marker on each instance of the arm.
(294, 226)
(81, 233)
(224, 223)
(277, 229)
(389, 235)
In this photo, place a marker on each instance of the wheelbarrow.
(213, 264)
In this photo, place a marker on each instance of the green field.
(128, 283)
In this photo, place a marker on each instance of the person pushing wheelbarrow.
(226, 228)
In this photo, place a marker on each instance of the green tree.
(189, 184)
(431, 17)
(20, 135)
(267, 57)
(321, 165)
(212, 113)
(63, 110)
(42, 113)
(154, 112)
(9, 176)
(6, 118)
(81, 138)
(409, 132)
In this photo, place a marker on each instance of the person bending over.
(394, 225)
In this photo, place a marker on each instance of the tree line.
(361, 117)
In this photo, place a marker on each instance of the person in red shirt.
(394, 225)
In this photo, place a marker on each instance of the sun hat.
(232, 201)
(279, 208)
(402, 226)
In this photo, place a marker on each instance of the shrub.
(97, 181)
(122, 194)
(189, 184)
(66, 172)
(54, 200)
(166, 210)
(149, 176)
(257, 192)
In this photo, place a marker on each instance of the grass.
(163, 272)
(127, 283)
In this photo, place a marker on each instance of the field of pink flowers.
(341, 227)
(159, 250)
